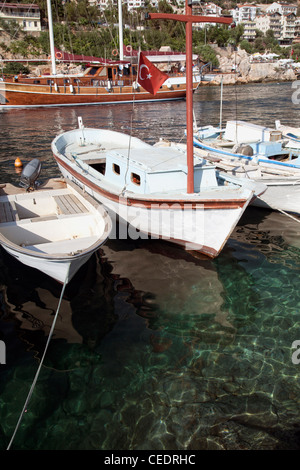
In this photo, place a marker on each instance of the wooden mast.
(189, 18)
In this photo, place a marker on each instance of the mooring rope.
(40, 366)
(282, 211)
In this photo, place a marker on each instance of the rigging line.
(131, 120)
(40, 366)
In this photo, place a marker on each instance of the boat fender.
(18, 163)
(71, 88)
(55, 87)
(169, 85)
(135, 85)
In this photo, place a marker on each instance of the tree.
(244, 44)
(207, 54)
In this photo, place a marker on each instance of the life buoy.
(58, 55)
(129, 48)
(115, 52)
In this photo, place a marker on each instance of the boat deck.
(66, 204)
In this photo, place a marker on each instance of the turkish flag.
(149, 76)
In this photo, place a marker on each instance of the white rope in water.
(289, 215)
(283, 212)
(39, 368)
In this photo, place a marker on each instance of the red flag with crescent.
(149, 76)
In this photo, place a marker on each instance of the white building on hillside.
(211, 9)
(28, 16)
(245, 12)
(249, 30)
(289, 29)
(271, 21)
(282, 7)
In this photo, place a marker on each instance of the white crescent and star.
(147, 76)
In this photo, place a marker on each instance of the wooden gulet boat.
(55, 228)
(103, 82)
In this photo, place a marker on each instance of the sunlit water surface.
(155, 348)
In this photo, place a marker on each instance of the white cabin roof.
(154, 159)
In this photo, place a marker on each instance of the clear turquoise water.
(155, 348)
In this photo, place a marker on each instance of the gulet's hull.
(21, 95)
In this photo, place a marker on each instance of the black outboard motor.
(30, 174)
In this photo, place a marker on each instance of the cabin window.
(116, 168)
(93, 70)
(135, 178)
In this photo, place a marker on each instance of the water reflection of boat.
(29, 299)
(174, 284)
(268, 231)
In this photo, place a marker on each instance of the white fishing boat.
(259, 153)
(146, 186)
(55, 228)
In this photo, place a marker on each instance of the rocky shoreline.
(238, 67)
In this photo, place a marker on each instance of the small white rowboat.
(54, 229)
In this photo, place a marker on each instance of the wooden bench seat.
(69, 204)
(8, 212)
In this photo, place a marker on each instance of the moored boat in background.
(103, 81)
(259, 153)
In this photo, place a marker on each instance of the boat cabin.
(155, 170)
(96, 75)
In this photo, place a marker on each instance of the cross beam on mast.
(188, 18)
